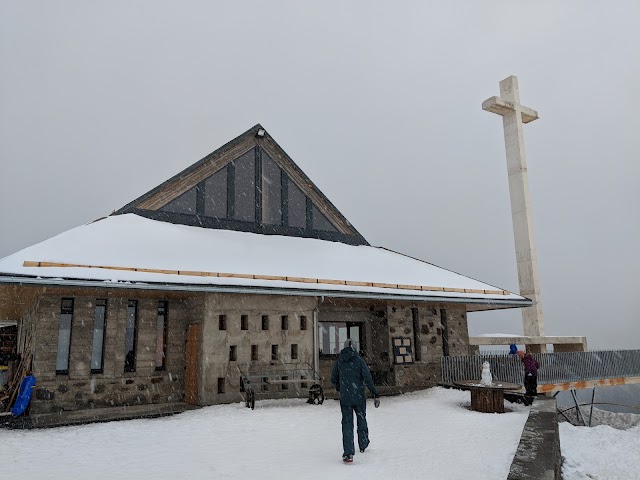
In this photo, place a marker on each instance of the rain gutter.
(183, 287)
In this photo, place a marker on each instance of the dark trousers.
(347, 427)
(530, 386)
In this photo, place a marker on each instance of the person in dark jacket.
(531, 367)
(349, 376)
(513, 349)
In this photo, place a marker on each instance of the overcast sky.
(378, 102)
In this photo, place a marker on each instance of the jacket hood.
(347, 354)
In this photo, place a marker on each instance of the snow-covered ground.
(600, 452)
(429, 435)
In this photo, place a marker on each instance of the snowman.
(487, 379)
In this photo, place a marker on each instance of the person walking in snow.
(531, 367)
(349, 376)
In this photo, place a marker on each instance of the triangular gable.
(252, 185)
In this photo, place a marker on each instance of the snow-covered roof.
(111, 249)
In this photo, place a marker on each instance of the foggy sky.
(378, 102)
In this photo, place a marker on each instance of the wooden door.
(192, 348)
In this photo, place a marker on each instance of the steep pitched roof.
(250, 184)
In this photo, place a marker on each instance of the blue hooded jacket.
(349, 376)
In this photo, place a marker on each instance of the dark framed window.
(296, 206)
(244, 322)
(161, 336)
(285, 385)
(265, 322)
(444, 321)
(99, 326)
(320, 221)
(222, 322)
(64, 336)
(274, 353)
(185, 203)
(221, 385)
(271, 190)
(303, 322)
(130, 336)
(284, 320)
(294, 351)
(245, 187)
(417, 354)
(334, 334)
(215, 194)
(233, 353)
(254, 353)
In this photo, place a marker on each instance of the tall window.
(99, 325)
(161, 336)
(64, 336)
(284, 320)
(417, 346)
(303, 322)
(294, 351)
(334, 334)
(244, 322)
(130, 339)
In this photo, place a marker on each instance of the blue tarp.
(24, 395)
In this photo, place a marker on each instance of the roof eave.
(199, 288)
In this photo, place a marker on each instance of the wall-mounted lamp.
(260, 132)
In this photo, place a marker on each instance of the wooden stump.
(487, 400)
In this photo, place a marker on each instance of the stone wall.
(428, 340)
(216, 343)
(80, 388)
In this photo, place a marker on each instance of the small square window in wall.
(265, 322)
(303, 322)
(233, 353)
(222, 322)
(274, 353)
(244, 322)
(221, 385)
(285, 322)
(254, 353)
(294, 351)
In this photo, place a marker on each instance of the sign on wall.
(402, 350)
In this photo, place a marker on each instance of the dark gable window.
(244, 322)
(254, 353)
(320, 222)
(274, 352)
(296, 206)
(222, 322)
(233, 353)
(161, 336)
(99, 325)
(285, 322)
(130, 334)
(245, 187)
(294, 351)
(303, 322)
(271, 190)
(215, 200)
(64, 336)
(265, 322)
(185, 203)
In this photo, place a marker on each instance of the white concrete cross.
(513, 116)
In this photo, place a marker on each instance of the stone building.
(237, 263)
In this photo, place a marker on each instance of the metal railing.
(555, 368)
